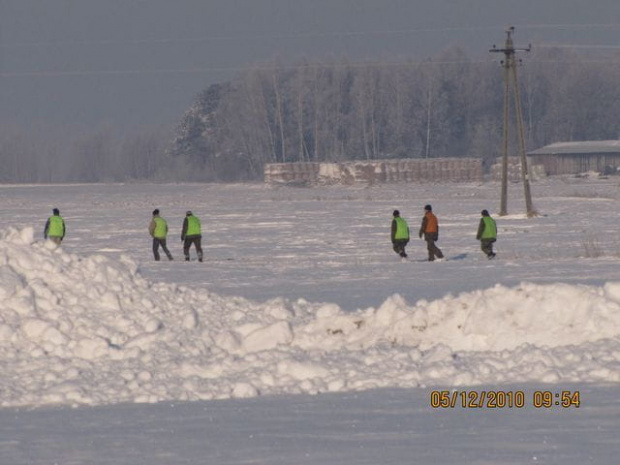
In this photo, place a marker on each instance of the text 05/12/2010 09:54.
(504, 399)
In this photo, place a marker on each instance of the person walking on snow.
(191, 234)
(400, 234)
(55, 227)
(430, 230)
(158, 229)
(487, 234)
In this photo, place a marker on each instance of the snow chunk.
(269, 337)
(244, 390)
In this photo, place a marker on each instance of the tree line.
(337, 110)
(78, 154)
(449, 106)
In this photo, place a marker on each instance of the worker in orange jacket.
(430, 231)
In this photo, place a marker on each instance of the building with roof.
(601, 156)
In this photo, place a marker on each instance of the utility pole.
(510, 69)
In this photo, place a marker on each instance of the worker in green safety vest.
(487, 234)
(191, 234)
(55, 227)
(400, 234)
(158, 229)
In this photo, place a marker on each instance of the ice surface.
(301, 294)
(90, 328)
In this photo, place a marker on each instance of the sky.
(134, 63)
(303, 338)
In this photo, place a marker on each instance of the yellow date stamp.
(479, 399)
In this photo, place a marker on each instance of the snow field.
(89, 329)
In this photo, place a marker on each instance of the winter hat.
(484, 213)
(396, 213)
(428, 208)
(156, 212)
(55, 211)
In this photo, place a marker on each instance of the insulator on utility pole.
(510, 69)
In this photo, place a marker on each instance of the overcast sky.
(141, 62)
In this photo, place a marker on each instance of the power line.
(259, 67)
(578, 46)
(570, 26)
(298, 35)
(301, 35)
(271, 67)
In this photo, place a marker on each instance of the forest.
(335, 110)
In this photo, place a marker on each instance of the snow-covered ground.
(300, 293)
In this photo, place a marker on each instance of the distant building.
(601, 156)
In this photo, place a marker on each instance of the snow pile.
(90, 330)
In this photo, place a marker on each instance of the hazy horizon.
(130, 63)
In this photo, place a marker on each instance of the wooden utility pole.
(510, 69)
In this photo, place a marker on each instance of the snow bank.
(90, 330)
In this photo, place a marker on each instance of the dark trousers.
(399, 246)
(156, 243)
(433, 250)
(487, 247)
(187, 243)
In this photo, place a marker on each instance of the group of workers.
(429, 230)
(191, 233)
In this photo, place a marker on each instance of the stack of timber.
(514, 169)
(291, 173)
(375, 171)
